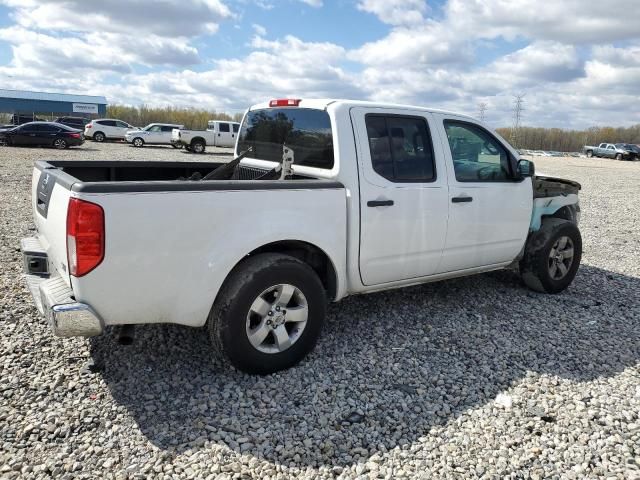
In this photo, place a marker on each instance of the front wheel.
(268, 314)
(589, 154)
(138, 142)
(618, 156)
(552, 256)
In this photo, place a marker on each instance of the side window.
(29, 128)
(236, 127)
(224, 127)
(168, 128)
(400, 147)
(120, 124)
(49, 128)
(477, 156)
(155, 128)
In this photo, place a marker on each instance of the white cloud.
(168, 18)
(395, 12)
(313, 3)
(259, 29)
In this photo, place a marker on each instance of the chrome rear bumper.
(53, 297)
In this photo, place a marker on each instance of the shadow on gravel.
(395, 364)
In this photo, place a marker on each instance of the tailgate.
(50, 193)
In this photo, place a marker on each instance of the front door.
(403, 195)
(489, 210)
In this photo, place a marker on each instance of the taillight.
(88, 125)
(85, 236)
(285, 102)
(74, 135)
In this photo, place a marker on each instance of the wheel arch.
(308, 253)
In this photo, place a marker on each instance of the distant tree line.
(556, 139)
(189, 117)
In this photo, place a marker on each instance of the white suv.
(152, 134)
(104, 128)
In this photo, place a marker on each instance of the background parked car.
(106, 128)
(152, 134)
(634, 150)
(42, 134)
(73, 122)
(19, 119)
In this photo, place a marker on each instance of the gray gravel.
(476, 377)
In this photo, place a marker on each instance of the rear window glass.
(306, 131)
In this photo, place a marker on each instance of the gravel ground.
(475, 377)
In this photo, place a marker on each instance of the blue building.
(51, 104)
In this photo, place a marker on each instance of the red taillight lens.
(285, 102)
(88, 125)
(74, 135)
(85, 236)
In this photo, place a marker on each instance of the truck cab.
(225, 132)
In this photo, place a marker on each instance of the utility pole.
(518, 108)
(482, 108)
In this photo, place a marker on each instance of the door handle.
(462, 199)
(379, 203)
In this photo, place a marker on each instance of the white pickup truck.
(377, 197)
(219, 134)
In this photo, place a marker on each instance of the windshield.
(306, 131)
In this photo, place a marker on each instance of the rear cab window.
(306, 131)
(400, 147)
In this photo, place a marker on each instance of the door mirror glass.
(526, 168)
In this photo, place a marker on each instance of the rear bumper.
(54, 299)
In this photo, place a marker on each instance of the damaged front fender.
(554, 197)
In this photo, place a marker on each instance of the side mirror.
(526, 168)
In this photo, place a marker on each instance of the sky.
(576, 62)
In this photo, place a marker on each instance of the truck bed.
(171, 242)
(127, 176)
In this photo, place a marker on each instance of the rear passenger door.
(403, 195)
(489, 208)
(224, 136)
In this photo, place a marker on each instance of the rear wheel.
(138, 142)
(618, 156)
(268, 314)
(552, 256)
(99, 137)
(60, 143)
(589, 154)
(197, 146)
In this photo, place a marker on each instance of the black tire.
(228, 320)
(536, 265)
(137, 142)
(60, 143)
(187, 148)
(198, 146)
(618, 156)
(589, 153)
(99, 137)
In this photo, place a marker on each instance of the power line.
(482, 108)
(518, 108)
